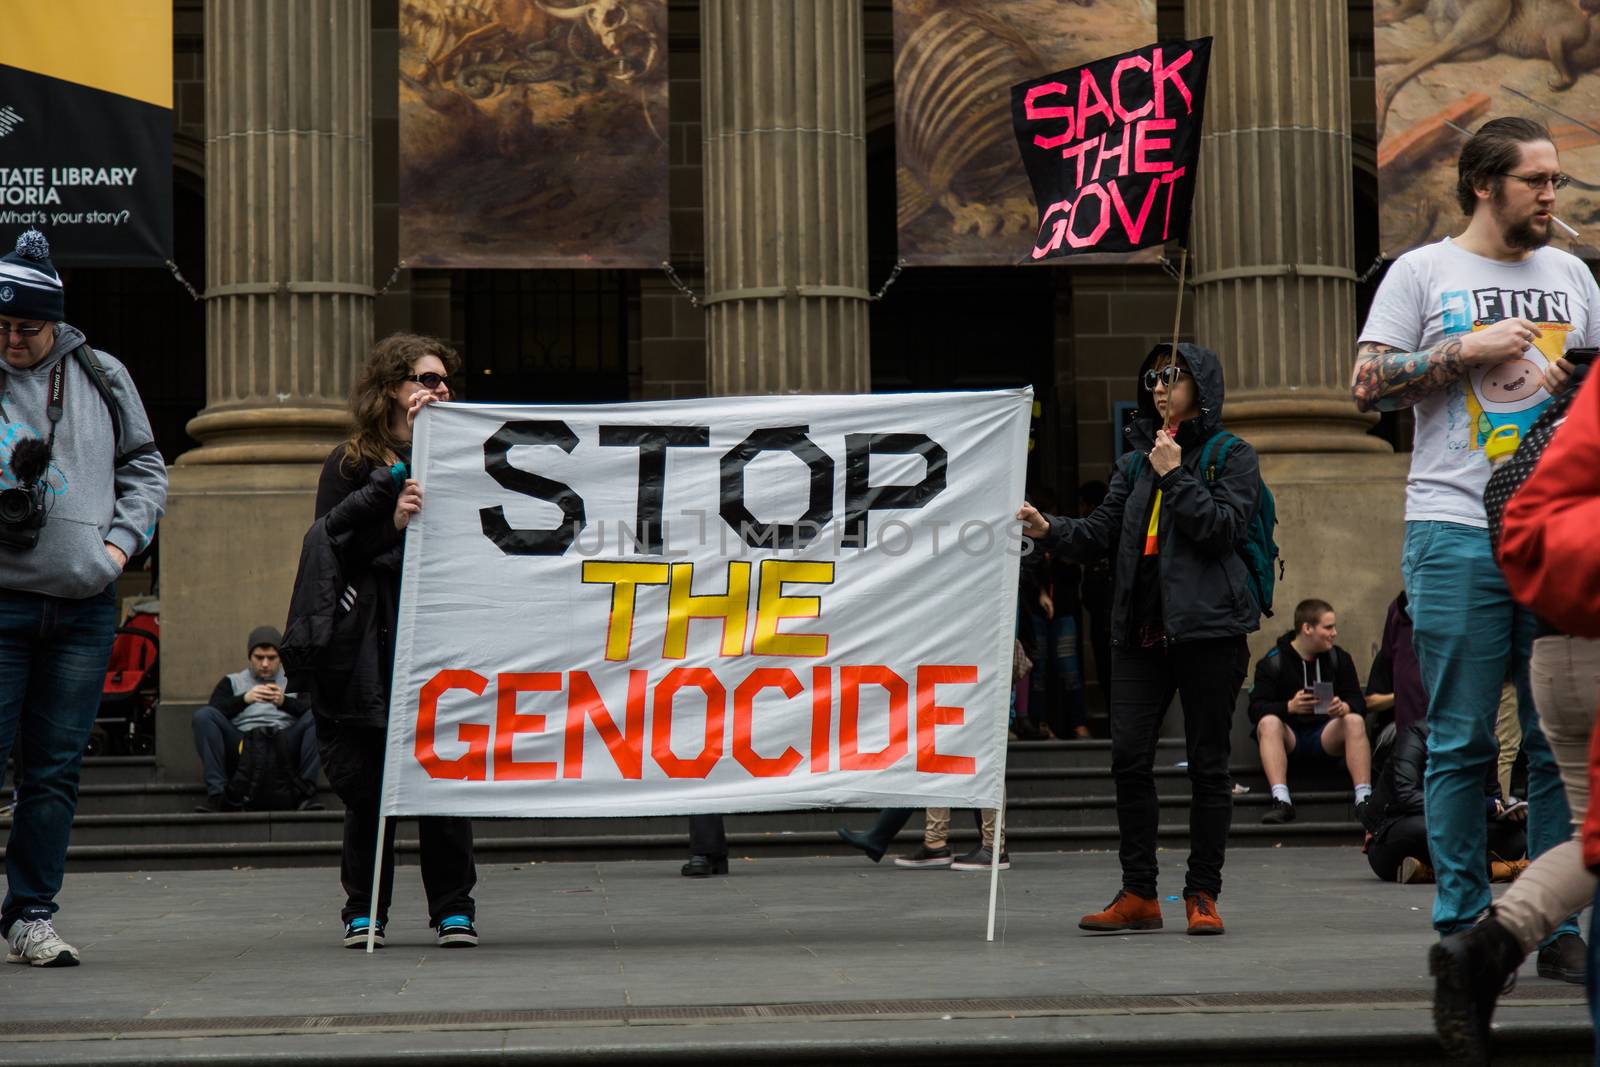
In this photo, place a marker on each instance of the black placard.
(1112, 148)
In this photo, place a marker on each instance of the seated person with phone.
(253, 699)
(1306, 704)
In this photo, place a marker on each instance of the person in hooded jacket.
(1181, 609)
(346, 600)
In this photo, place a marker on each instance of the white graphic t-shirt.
(1434, 292)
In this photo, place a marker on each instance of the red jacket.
(1550, 547)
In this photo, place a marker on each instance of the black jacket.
(338, 642)
(1204, 582)
(1397, 791)
(1397, 785)
(1281, 673)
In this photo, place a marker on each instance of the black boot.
(705, 866)
(876, 841)
(862, 841)
(1471, 969)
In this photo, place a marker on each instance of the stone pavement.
(627, 959)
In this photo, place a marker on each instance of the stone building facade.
(247, 386)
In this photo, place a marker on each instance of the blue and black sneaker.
(355, 933)
(457, 931)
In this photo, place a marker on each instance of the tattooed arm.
(1387, 379)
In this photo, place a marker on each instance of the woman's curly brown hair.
(372, 443)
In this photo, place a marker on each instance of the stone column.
(1274, 292)
(785, 196)
(288, 317)
(1273, 256)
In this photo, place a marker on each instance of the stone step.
(109, 770)
(662, 846)
(172, 798)
(1093, 754)
(1066, 815)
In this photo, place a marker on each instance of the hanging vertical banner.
(533, 134)
(1113, 148)
(962, 192)
(86, 129)
(1439, 79)
(735, 604)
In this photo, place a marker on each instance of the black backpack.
(267, 777)
(1509, 475)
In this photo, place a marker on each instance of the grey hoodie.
(90, 500)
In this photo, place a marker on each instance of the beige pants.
(1508, 731)
(936, 828)
(1565, 673)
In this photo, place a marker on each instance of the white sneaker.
(36, 942)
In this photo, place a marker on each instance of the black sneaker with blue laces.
(457, 931)
(355, 933)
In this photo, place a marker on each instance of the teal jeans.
(1469, 636)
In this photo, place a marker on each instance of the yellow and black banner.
(86, 129)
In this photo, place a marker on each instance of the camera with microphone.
(22, 507)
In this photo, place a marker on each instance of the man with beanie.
(255, 698)
(82, 486)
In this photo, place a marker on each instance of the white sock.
(1281, 792)
(1363, 792)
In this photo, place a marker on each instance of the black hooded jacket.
(1281, 674)
(1205, 589)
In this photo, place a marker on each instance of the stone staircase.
(1061, 798)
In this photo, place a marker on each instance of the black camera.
(22, 510)
(21, 515)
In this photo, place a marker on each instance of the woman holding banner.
(341, 633)
(1181, 607)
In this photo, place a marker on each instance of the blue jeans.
(53, 656)
(1470, 635)
(1055, 685)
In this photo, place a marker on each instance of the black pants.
(352, 758)
(1206, 676)
(708, 836)
(1408, 836)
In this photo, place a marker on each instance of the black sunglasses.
(428, 379)
(1168, 374)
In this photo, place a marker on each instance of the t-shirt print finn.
(1505, 399)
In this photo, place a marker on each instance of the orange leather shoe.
(1127, 911)
(1203, 917)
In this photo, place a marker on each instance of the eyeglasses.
(21, 331)
(1168, 375)
(1537, 182)
(428, 379)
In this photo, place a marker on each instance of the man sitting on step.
(1306, 705)
(253, 699)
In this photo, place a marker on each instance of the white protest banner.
(737, 604)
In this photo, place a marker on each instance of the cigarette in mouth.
(1557, 220)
